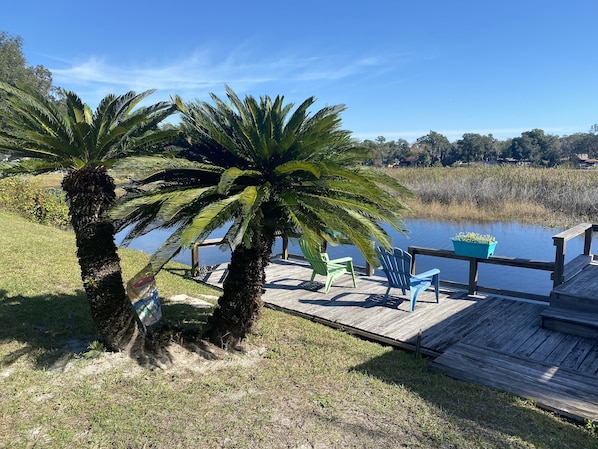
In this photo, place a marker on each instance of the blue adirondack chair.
(322, 265)
(397, 267)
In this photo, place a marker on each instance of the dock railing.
(561, 271)
(368, 270)
(472, 285)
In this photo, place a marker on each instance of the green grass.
(299, 384)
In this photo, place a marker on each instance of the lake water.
(514, 240)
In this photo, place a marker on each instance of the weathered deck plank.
(489, 313)
(564, 391)
(590, 363)
(477, 319)
(578, 354)
(526, 323)
(553, 340)
(520, 321)
(560, 353)
(490, 340)
(584, 285)
(535, 338)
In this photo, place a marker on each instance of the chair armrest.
(342, 260)
(427, 274)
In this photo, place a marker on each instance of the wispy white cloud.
(201, 73)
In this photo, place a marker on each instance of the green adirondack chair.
(324, 266)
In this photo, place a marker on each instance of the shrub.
(26, 198)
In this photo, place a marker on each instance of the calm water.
(514, 240)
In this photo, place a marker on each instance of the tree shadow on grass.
(46, 329)
(498, 414)
(49, 330)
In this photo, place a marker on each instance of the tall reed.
(522, 193)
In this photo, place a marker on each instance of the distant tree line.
(533, 147)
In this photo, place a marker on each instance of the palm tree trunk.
(240, 305)
(90, 192)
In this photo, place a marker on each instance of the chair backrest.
(318, 260)
(396, 266)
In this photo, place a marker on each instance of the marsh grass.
(298, 384)
(552, 197)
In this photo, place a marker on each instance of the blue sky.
(402, 68)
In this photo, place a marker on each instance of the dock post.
(285, 247)
(369, 269)
(194, 259)
(587, 241)
(473, 276)
(559, 261)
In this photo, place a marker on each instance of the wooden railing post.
(369, 269)
(559, 260)
(473, 276)
(413, 253)
(560, 241)
(587, 242)
(194, 259)
(285, 247)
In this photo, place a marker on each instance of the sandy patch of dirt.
(204, 358)
(198, 358)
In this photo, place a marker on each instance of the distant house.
(583, 161)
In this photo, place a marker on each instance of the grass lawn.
(298, 384)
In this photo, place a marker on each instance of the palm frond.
(148, 169)
(29, 166)
(229, 176)
(210, 218)
(178, 201)
(38, 126)
(32, 117)
(170, 248)
(294, 166)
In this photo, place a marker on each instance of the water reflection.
(514, 240)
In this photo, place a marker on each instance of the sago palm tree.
(262, 171)
(85, 143)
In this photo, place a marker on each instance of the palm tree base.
(90, 192)
(240, 306)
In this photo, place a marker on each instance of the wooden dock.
(490, 340)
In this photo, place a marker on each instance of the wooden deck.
(490, 340)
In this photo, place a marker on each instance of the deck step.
(579, 293)
(553, 388)
(576, 266)
(581, 323)
(576, 303)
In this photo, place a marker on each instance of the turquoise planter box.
(473, 249)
